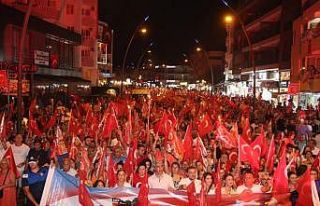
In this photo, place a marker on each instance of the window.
(69, 9)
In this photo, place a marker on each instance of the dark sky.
(173, 26)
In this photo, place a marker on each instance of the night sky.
(173, 25)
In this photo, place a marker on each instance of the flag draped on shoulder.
(12, 164)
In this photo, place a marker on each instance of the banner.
(62, 189)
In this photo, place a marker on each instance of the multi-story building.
(61, 40)
(305, 72)
(269, 27)
(104, 52)
(48, 47)
(82, 16)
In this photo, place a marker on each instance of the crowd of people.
(174, 138)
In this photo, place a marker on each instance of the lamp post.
(249, 44)
(20, 59)
(147, 50)
(143, 31)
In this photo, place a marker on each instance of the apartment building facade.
(305, 72)
(62, 36)
(269, 27)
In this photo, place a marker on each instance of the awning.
(48, 79)
(9, 15)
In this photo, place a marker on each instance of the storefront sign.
(13, 87)
(27, 68)
(3, 81)
(293, 88)
(41, 58)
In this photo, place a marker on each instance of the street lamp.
(228, 19)
(147, 50)
(143, 30)
(249, 44)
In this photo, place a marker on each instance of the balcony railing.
(265, 33)
(262, 10)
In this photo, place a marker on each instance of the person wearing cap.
(38, 152)
(33, 181)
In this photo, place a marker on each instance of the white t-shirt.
(163, 181)
(187, 181)
(255, 189)
(126, 184)
(20, 153)
(71, 172)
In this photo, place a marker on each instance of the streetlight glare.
(186, 60)
(228, 19)
(143, 30)
(198, 49)
(149, 51)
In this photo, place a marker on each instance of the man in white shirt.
(66, 168)
(20, 152)
(192, 176)
(160, 179)
(249, 186)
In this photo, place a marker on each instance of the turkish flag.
(203, 197)
(191, 190)
(248, 154)
(304, 189)
(143, 192)
(187, 143)
(270, 156)
(246, 131)
(165, 125)
(33, 127)
(280, 179)
(205, 125)
(228, 140)
(259, 144)
(51, 121)
(73, 149)
(12, 164)
(129, 163)
(72, 126)
(84, 196)
(110, 124)
(112, 180)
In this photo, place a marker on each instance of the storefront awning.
(47, 79)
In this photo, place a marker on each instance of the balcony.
(262, 9)
(265, 33)
(270, 17)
